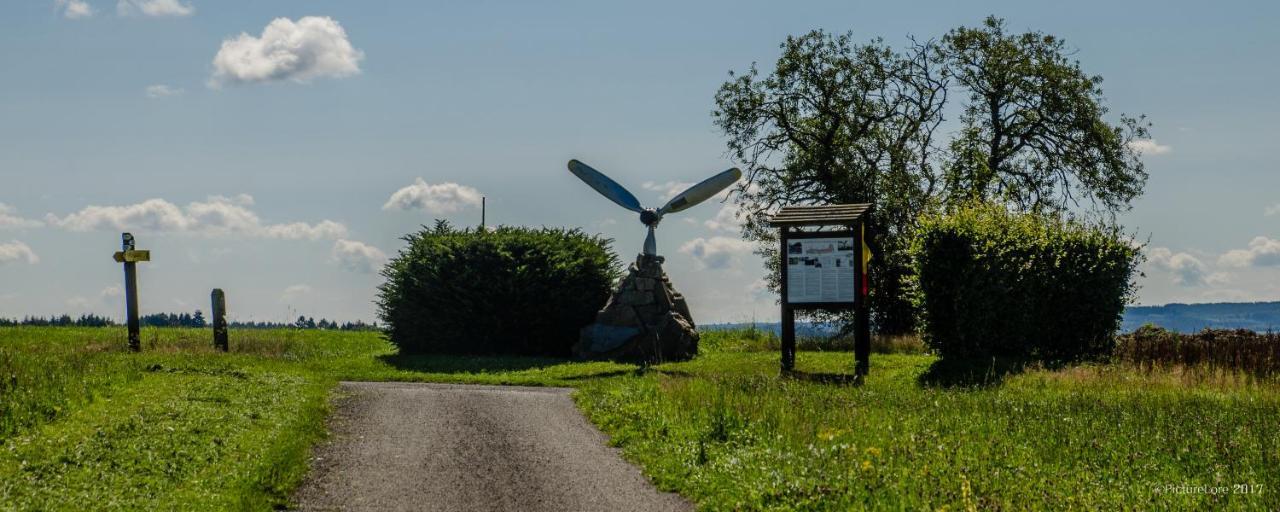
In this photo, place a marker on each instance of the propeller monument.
(645, 320)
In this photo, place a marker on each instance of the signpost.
(824, 270)
(130, 257)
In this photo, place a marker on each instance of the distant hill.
(1256, 316)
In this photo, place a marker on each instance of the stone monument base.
(645, 321)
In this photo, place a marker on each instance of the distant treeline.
(195, 319)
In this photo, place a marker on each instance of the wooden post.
(219, 319)
(788, 315)
(861, 309)
(130, 258)
(131, 295)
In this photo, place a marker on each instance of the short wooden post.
(861, 309)
(788, 315)
(219, 319)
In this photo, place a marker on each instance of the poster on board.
(820, 270)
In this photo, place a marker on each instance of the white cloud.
(16, 251)
(667, 190)
(10, 220)
(1272, 210)
(1187, 270)
(357, 256)
(154, 8)
(438, 199)
(163, 91)
(1149, 147)
(217, 216)
(111, 292)
(73, 9)
(726, 219)
(1262, 252)
(717, 252)
(294, 292)
(312, 47)
(78, 303)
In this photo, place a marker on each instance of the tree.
(840, 122)
(1033, 131)
(197, 319)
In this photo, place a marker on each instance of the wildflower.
(866, 465)
(873, 451)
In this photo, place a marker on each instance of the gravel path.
(409, 446)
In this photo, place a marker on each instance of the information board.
(820, 270)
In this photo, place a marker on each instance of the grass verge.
(83, 424)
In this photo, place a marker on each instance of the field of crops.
(85, 423)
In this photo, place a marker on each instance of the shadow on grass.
(441, 363)
(973, 373)
(847, 379)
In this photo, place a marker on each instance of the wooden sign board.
(821, 270)
(825, 269)
(131, 256)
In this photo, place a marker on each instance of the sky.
(279, 150)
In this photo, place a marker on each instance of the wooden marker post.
(219, 320)
(130, 257)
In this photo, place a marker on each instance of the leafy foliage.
(1033, 131)
(836, 121)
(513, 290)
(995, 283)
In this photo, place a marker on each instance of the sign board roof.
(824, 215)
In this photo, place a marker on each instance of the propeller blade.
(605, 186)
(701, 192)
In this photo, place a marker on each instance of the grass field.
(84, 424)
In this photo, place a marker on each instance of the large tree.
(841, 122)
(1033, 133)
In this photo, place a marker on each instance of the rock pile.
(645, 321)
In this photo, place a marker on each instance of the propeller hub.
(649, 217)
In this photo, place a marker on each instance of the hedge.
(994, 283)
(513, 290)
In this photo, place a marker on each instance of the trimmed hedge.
(513, 290)
(995, 283)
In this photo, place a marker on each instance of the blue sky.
(274, 179)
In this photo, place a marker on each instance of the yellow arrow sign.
(131, 256)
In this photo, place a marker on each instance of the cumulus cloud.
(77, 303)
(1187, 270)
(312, 47)
(1262, 252)
(9, 219)
(1272, 210)
(154, 8)
(73, 9)
(163, 91)
(727, 218)
(441, 198)
(17, 252)
(667, 190)
(1149, 147)
(217, 216)
(111, 292)
(357, 256)
(717, 252)
(294, 292)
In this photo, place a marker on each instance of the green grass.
(84, 423)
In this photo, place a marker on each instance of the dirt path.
(408, 446)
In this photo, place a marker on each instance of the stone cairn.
(645, 321)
